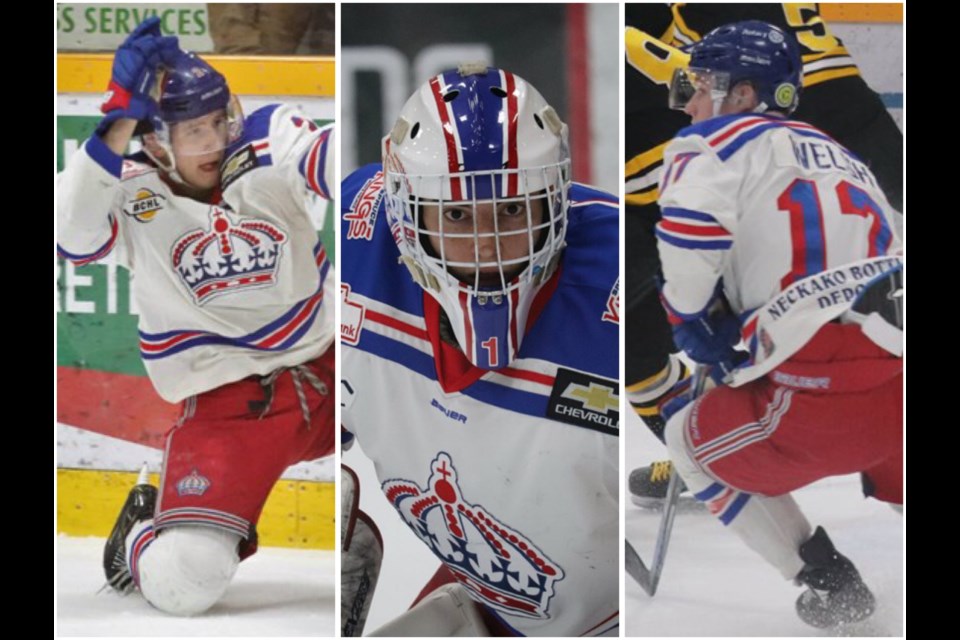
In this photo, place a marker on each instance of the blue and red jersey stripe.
(277, 335)
(689, 229)
(81, 259)
(312, 165)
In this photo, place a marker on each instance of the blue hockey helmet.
(189, 90)
(752, 51)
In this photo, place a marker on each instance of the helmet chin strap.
(716, 107)
(169, 167)
(717, 98)
(176, 177)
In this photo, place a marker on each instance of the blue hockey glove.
(709, 338)
(135, 70)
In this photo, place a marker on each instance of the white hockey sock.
(186, 569)
(774, 527)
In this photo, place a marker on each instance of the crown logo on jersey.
(232, 254)
(496, 563)
(192, 485)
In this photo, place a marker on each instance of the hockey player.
(480, 364)
(775, 234)
(837, 101)
(233, 288)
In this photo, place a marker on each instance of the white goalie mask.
(476, 178)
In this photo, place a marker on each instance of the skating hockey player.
(775, 234)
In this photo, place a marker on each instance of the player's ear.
(745, 96)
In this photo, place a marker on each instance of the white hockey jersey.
(510, 477)
(793, 223)
(225, 290)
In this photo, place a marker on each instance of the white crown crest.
(228, 256)
(193, 485)
(497, 564)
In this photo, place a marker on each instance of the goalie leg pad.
(349, 504)
(774, 527)
(186, 569)
(361, 554)
(360, 562)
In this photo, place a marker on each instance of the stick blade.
(637, 570)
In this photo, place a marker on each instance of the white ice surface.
(276, 592)
(713, 585)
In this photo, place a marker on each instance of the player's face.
(198, 146)
(479, 234)
(700, 106)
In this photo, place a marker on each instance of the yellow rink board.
(247, 76)
(861, 12)
(298, 513)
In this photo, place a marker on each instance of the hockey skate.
(836, 593)
(138, 507)
(648, 487)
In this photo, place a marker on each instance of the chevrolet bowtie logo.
(234, 163)
(596, 397)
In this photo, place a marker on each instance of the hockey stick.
(649, 579)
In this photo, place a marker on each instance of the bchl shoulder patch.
(144, 205)
(585, 401)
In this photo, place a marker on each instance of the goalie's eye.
(456, 215)
(513, 209)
